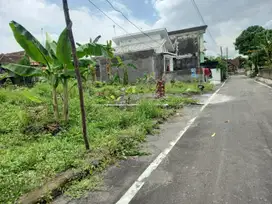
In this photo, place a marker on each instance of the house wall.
(201, 48)
(265, 73)
(187, 43)
(145, 62)
(216, 76)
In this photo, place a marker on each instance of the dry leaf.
(213, 134)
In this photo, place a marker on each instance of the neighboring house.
(158, 51)
(190, 52)
(14, 57)
(7, 58)
(145, 51)
(233, 64)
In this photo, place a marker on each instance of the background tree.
(247, 41)
(265, 46)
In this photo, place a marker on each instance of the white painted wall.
(216, 76)
(140, 39)
(142, 42)
(171, 65)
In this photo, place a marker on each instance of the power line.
(202, 19)
(116, 23)
(131, 22)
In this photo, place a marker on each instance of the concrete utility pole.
(114, 30)
(227, 58)
(78, 76)
(222, 74)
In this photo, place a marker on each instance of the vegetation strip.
(34, 147)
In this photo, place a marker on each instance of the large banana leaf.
(29, 43)
(64, 50)
(92, 49)
(132, 66)
(51, 46)
(96, 39)
(86, 62)
(23, 70)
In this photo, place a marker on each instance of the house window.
(185, 63)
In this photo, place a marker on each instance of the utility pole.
(78, 76)
(42, 36)
(227, 58)
(114, 30)
(222, 61)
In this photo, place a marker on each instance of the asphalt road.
(224, 157)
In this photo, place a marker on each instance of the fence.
(265, 73)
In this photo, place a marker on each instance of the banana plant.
(124, 66)
(55, 58)
(94, 49)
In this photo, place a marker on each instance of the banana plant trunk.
(94, 74)
(65, 98)
(125, 78)
(55, 103)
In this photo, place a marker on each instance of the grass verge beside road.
(34, 148)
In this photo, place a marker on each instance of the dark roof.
(12, 57)
(187, 30)
(209, 64)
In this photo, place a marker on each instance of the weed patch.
(34, 148)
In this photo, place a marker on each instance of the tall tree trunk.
(79, 82)
(55, 103)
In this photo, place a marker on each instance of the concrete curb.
(264, 80)
(51, 188)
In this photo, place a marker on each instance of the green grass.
(31, 154)
(187, 88)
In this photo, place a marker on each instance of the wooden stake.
(79, 82)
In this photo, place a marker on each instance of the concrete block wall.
(181, 75)
(146, 62)
(266, 73)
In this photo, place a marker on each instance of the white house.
(156, 39)
(158, 51)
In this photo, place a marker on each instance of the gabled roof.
(12, 57)
(188, 30)
(151, 44)
(137, 34)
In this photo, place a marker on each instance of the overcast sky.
(226, 19)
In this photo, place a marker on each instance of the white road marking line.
(263, 84)
(138, 184)
(212, 96)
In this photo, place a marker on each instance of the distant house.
(158, 51)
(233, 64)
(14, 57)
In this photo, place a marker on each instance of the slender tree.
(78, 76)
